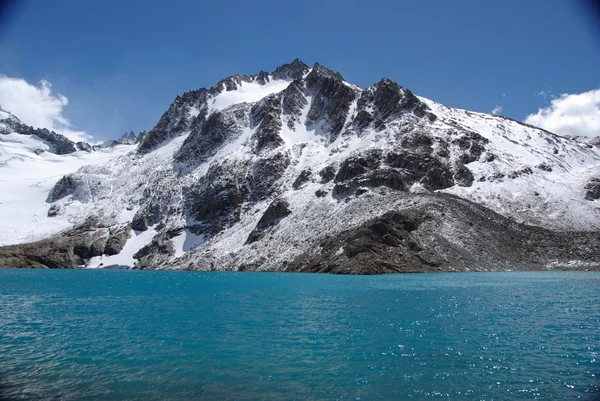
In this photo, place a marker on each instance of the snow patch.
(185, 241)
(136, 241)
(248, 92)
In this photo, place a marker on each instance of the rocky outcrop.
(302, 178)
(153, 253)
(207, 136)
(592, 189)
(331, 99)
(294, 70)
(445, 233)
(276, 211)
(58, 143)
(385, 101)
(176, 119)
(266, 118)
(70, 249)
(117, 238)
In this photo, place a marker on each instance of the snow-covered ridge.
(258, 169)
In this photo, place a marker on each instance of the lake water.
(144, 335)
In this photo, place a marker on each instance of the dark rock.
(58, 143)
(209, 135)
(437, 177)
(423, 168)
(463, 176)
(139, 222)
(64, 187)
(355, 166)
(264, 174)
(175, 120)
(277, 210)
(331, 98)
(159, 249)
(294, 101)
(518, 173)
(389, 100)
(84, 146)
(294, 70)
(544, 167)
(129, 138)
(389, 178)
(472, 146)
(266, 116)
(593, 189)
(72, 248)
(54, 210)
(303, 177)
(327, 174)
(262, 77)
(38, 151)
(415, 240)
(116, 240)
(320, 193)
(229, 84)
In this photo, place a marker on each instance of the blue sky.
(121, 63)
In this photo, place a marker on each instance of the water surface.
(107, 335)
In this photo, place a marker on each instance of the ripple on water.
(107, 335)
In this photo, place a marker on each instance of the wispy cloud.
(496, 110)
(570, 114)
(38, 106)
(545, 94)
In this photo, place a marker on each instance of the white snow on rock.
(136, 241)
(186, 241)
(118, 180)
(247, 92)
(26, 179)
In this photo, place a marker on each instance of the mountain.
(31, 162)
(300, 170)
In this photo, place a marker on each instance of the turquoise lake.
(148, 335)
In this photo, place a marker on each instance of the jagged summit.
(299, 170)
(294, 70)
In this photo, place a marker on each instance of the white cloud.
(570, 114)
(497, 110)
(38, 106)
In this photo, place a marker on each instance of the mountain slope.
(285, 171)
(31, 161)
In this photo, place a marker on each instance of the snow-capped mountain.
(299, 170)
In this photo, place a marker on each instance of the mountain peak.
(294, 70)
(324, 71)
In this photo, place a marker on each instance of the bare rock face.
(117, 239)
(152, 253)
(444, 233)
(387, 100)
(139, 222)
(302, 178)
(331, 98)
(593, 189)
(294, 70)
(72, 249)
(266, 117)
(175, 120)
(59, 144)
(208, 135)
(54, 211)
(276, 211)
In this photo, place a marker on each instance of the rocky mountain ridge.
(299, 170)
